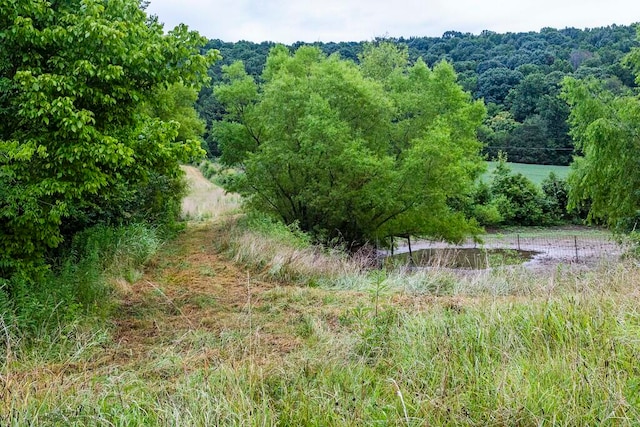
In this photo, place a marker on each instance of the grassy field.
(536, 173)
(241, 322)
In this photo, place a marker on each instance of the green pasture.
(536, 173)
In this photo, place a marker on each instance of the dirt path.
(205, 200)
(190, 289)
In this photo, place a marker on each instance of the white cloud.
(288, 21)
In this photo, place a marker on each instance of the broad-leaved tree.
(605, 126)
(348, 152)
(77, 143)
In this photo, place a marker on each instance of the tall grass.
(207, 201)
(45, 315)
(567, 360)
(507, 346)
(282, 253)
(285, 254)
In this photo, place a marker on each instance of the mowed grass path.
(215, 334)
(536, 173)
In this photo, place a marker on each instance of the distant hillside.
(517, 74)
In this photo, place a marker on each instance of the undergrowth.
(42, 313)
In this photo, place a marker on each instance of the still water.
(465, 258)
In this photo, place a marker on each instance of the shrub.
(208, 169)
(518, 200)
(483, 208)
(556, 192)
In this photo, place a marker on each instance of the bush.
(556, 192)
(277, 230)
(155, 201)
(483, 207)
(478, 205)
(208, 169)
(518, 200)
(487, 214)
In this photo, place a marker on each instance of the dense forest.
(517, 74)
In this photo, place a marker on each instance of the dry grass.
(206, 201)
(274, 259)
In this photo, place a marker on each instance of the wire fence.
(575, 247)
(560, 245)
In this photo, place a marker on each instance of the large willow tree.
(352, 152)
(605, 126)
(77, 144)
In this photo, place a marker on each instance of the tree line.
(518, 75)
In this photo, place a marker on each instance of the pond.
(463, 258)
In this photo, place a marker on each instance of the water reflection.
(463, 258)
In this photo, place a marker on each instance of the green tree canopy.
(518, 200)
(75, 77)
(176, 103)
(606, 130)
(347, 156)
(491, 66)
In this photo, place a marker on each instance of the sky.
(288, 21)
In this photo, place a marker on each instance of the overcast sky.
(287, 21)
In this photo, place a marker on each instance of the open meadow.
(239, 321)
(536, 173)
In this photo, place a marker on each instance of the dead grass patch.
(205, 199)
